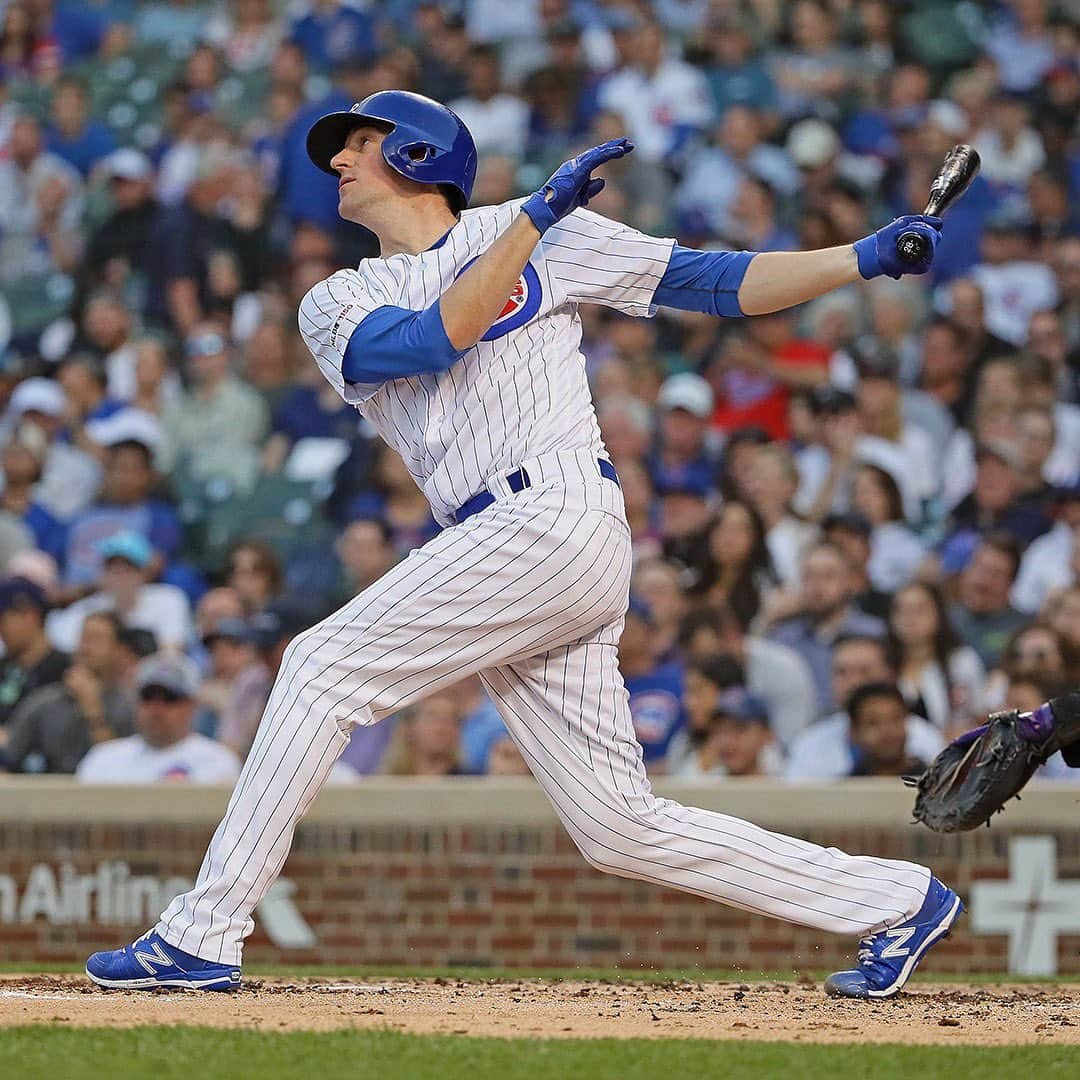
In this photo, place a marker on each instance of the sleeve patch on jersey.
(337, 324)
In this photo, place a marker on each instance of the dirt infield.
(987, 1015)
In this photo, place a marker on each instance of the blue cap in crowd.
(21, 593)
(128, 545)
(741, 704)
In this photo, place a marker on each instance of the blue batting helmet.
(425, 141)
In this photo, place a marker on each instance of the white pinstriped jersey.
(521, 390)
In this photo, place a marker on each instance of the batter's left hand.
(571, 185)
(877, 253)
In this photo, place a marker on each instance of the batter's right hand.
(571, 185)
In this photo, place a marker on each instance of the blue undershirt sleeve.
(394, 343)
(706, 281)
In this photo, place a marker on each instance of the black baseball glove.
(974, 776)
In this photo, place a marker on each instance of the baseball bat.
(959, 168)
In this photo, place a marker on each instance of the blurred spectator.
(125, 503)
(246, 32)
(736, 73)
(54, 727)
(253, 570)
(1036, 651)
(941, 678)
(659, 584)
(504, 758)
(737, 741)
(738, 570)
(661, 100)
(366, 551)
(824, 614)
(852, 534)
(825, 750)
(655, 687)
(237, 665)
(80, 140)
(1053, 560)
(1020, 43)
(216, 427)
(164, 748)
(29, 661)
(22, 462)
(41, 207)
(125, 586)
(176, 23)
(332, 31)
(425, 742)
(392, 496)
(878, 725)
(498, 120)
(703, 683)
(895, 551)
(774, 672)
(816, 71)
(982, 614)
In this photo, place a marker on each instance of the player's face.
(364, 177)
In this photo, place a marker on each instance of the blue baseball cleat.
(152, 962)
(887, 959)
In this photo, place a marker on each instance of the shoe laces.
(866, 950)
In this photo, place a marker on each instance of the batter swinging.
(461, 345)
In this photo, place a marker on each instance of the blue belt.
(517, 481)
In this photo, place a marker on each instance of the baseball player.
(461, 344)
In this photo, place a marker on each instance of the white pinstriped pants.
(530, 593)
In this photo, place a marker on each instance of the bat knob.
(912, 247)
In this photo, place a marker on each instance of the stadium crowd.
(856, 524)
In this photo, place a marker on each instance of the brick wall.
(463, 892)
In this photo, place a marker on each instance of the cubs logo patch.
(522, 305)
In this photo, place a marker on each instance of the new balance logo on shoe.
(155, 959)
(899, 939)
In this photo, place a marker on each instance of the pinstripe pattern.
(506, 400)
(530, 593)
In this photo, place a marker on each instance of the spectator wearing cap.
(70, 477)
(243, 681)
(41, 207)
(940, 677)
(120, 246)
(125, 586)
(655, 687)
(73, 134)
(22, 462)
(824, 751)
(29, 661)
(824, 613)
(852, 533)
(982, 614)
(54, 727)
(896, 553)
(216, 428)
(738, 741)
(126, 503)
(995, 503)
(661, 100)
(1050, 562)
(164, 747)
(684, 456)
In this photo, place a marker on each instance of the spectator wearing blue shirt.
(332, 32)
(72, 135)
(125, 505)
(735, 74)
(655, 689)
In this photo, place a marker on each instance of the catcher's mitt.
(973, 778)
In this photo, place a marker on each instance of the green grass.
(158, 1053)
(493, 974)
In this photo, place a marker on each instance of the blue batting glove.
(570, 185)
(877, 253)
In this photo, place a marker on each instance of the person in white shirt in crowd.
(1015, 284)
(663, 102)
(941, 678)
(1010, 148)
(125, 587)
(164, 749)
(824, 750)
(737, 741)
(70, 477)
(497, 119)
(1045, 376)
(895, 551)
(1052, 561)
